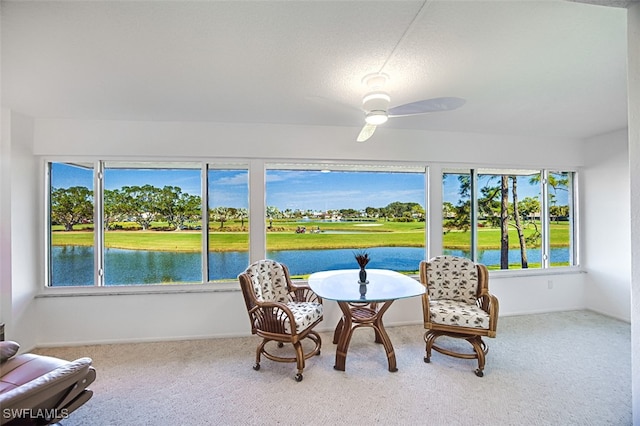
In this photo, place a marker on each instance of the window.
(142, 223)
(71, 230)
(501, 219)
(152, 217)
(317, 218)
(560, 218)
(122, 223)
(456, 214)
(228, 205)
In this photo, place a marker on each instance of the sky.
(286, 189)
(314, 190)
(525, 189)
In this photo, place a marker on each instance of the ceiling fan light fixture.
(376, 100)
(375, 105)
(376, 117)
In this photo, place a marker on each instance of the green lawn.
(489, 238)
(283, 237)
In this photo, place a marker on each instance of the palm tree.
(524, 261)
(504, 222)
(242, 214)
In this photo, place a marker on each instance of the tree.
(458, 216)
(351, 213)
(242, 214)
(221, 214)
(384, 212)
(177, 207)
(398, 209)
(272, 213)
(558, 211)
(139, 204)
(524, 261)
(529, 208)
(418, 212)
(557, 182)
(71, 206)
(504, 222)
(110, 207)
(372, 212)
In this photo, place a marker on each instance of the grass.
(489, 238)
(282, 241)
(284, 237)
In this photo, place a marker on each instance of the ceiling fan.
(375, 105)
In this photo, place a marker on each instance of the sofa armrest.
(51, 396)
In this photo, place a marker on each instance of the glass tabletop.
(342, 285)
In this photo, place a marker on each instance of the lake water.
(73, 266)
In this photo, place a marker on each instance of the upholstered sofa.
(40, 390)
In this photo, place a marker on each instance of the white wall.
(73, 320)
(606, 217)
(25, 231)
(141, 317)
(5, 220)
(633, 73)
(176, 139)
(81, 319)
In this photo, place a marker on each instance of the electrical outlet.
(549, 284)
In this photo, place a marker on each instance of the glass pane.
(228, 223)
(317, 220)
(560, 219)
(71, 251)
(456, 214)
(509, 231)
(152, 219)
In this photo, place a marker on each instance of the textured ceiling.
(549, 67)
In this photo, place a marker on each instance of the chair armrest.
(426, 310)
(303, 293)
(489, 303)
(272, 317)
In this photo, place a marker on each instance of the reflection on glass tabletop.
(343, 285)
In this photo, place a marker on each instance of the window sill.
(234, 286)
(514, 273)
(138, 289)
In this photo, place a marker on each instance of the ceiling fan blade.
(426, 105)
(366, 132)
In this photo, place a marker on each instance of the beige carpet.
(570, 368)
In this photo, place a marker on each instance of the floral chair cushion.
(270, 285)
(452, 278)
(305, 314)
(269, 282)
(451, 312)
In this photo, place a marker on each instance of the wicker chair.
(281, 311)
(457, 304)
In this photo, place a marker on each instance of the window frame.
(572, 201)
(257, 169)
(203, 165)
(362, 167)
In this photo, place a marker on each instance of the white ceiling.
(548, 68)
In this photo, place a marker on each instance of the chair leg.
(259, 351)
(481, 350)
(317, 340)
(300, 355)
(299, 360)
(429, 339)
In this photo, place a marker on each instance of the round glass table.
(363, 305)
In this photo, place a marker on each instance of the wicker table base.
(356, 315)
